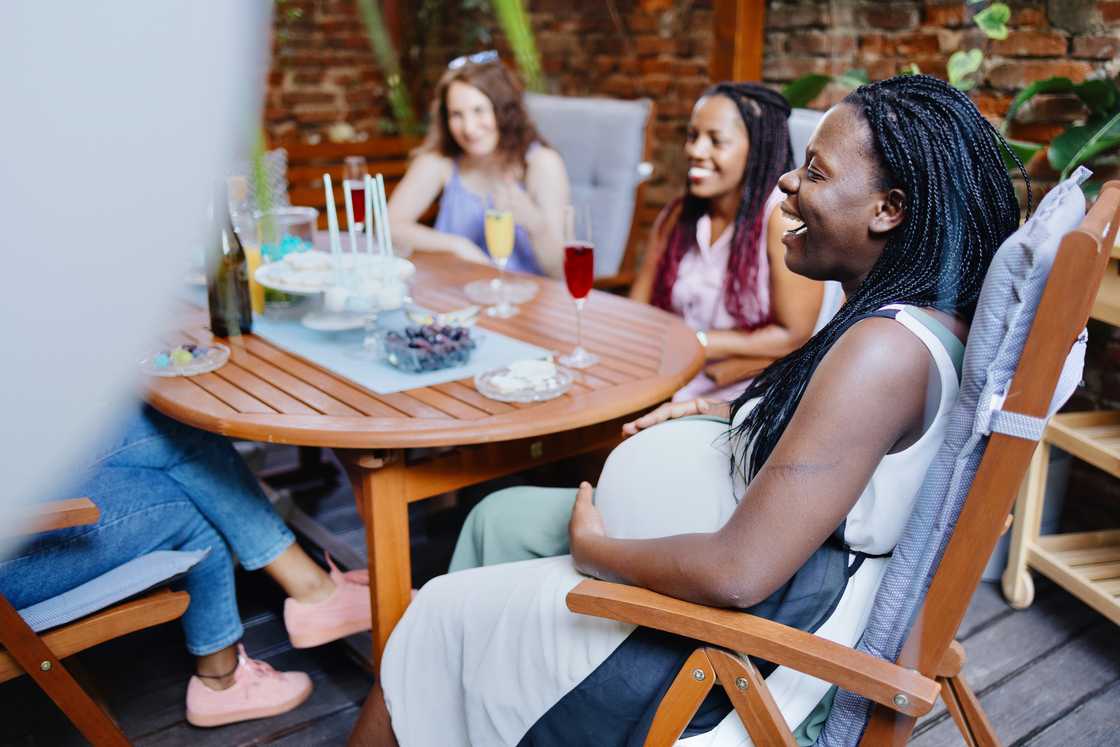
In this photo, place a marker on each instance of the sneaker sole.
(247, 714)
(319, 637)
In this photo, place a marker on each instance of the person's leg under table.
(213, 475)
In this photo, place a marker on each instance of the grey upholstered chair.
(604, 145)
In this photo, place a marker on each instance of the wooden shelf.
(1107, 306)
(1093, 437)
(1087, 564)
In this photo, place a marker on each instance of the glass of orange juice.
(256, 290)
(499, 242)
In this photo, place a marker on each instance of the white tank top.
(675, 478)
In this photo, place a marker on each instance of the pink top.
(698, 291)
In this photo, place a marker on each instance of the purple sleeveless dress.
(463, 212)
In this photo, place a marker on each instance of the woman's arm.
(867, 396)
(795, 300)
(642, 289)
(420, 186)
(542, 212)
(673, 410)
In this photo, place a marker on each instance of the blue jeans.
(161, 486)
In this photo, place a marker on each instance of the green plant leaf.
(1081, 143)
(1049, 85)
(854, 78)
(1100, 96)
(911, 69)
(806, 88)
(963, 64)
(993, 20)
(1024, 150)
(515, 24)
(1091, 189)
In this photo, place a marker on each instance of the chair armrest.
(888, 684)
(72, 512)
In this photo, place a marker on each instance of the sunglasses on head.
(478, 58)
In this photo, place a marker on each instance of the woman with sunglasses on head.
(483, 151)
(715, 254)
(809, 479)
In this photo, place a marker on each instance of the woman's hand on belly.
(671, 410)
(584, 528)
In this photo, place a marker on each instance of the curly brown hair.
(516, 131)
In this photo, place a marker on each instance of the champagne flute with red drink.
(579, 274)
(354, 182)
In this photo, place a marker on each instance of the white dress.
(480, 655)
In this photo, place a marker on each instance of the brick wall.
(324, 73)
(1071, 38)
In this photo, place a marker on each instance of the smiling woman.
(715, 256)
(828, 448)
(483, 152)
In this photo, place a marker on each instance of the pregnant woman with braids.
(784, 504)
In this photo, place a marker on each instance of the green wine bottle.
(227, 281)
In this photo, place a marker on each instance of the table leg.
(379, 489)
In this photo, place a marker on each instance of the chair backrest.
(603, 143)
(307, 163)
(1023, 360)
(802, 122)
(831, 302)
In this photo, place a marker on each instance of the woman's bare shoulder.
(431, 163)
(543, 158)
(875, 351)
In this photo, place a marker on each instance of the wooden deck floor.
(1049, 675)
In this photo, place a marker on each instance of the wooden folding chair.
(26, 652)
(931, 660)
(308, 162)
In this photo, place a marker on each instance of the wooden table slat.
(234, 396)
(195, 398)
(336, 387)
(464, 391)
(450, 405)
(261, 389)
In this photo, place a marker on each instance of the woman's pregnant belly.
(673, 478)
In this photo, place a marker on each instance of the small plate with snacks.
(524, 381)
(185, 360)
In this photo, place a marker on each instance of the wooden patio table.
(265, 393)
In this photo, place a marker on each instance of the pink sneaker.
(345, 612)
(258, 691)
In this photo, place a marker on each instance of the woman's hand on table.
(584, 528)
(470, 251)
(672, 410)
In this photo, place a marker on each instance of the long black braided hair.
(765, 116)
(933, 144)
